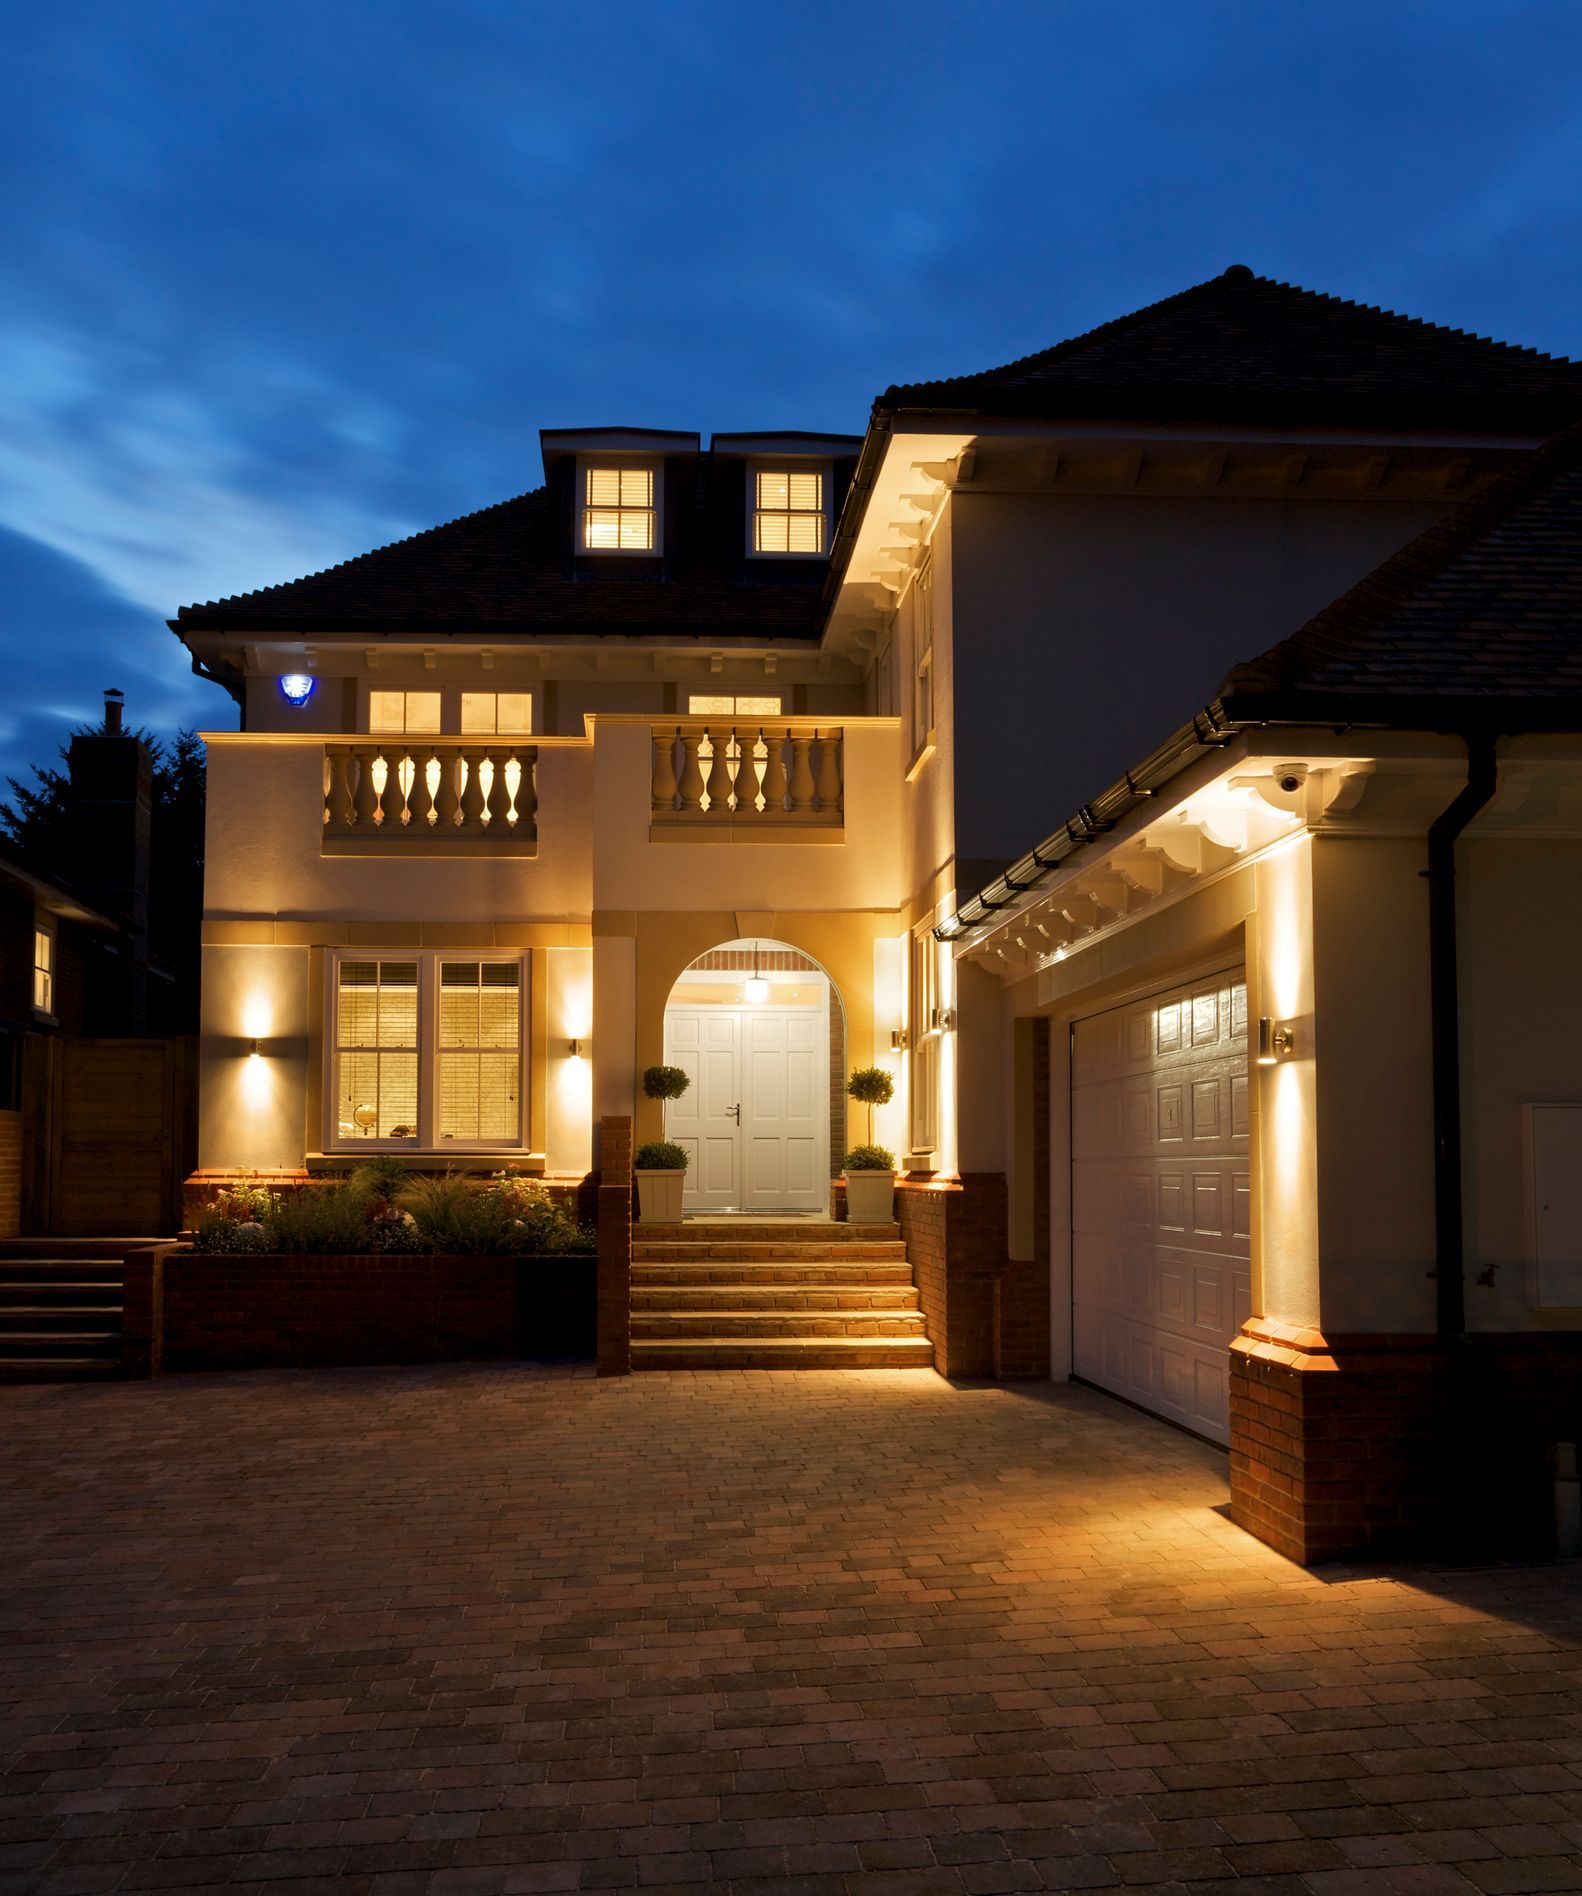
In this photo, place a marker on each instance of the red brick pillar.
(143, 1310)
(615, 1245)
(10, 1174)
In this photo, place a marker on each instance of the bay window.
(427, 1051)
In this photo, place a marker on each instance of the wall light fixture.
(1276, 1041)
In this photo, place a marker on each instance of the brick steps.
(774, 1295)
(862, 1352)
(60, 1308)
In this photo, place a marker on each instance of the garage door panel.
(1160, 1200)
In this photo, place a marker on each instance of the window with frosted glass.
(480, 1052)
(788, 511)
(376, 1049)
(404, 712)
(618, 510)
(496, 713)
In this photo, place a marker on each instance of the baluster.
(801, 772)
(690, 788)
(391, 801)
(664, 777)
(747, 777)
(527, 795)
(363, 800)
(342, 813)
(425, 787)
(447, 803)
(472, 794)
(499, 799)
(775, 773)
(720, 774)
(828, 779)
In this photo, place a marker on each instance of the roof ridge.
(1241, 276)
(1345, 622)
(356, 559)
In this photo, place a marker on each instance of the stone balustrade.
(768, 772)
(430, 794)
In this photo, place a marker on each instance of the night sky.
(280, 282)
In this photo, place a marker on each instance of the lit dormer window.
(618, 511)
(788, 510)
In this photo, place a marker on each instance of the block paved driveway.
(488, 1629)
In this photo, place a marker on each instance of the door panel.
(1161, 1272)
(705, 1043)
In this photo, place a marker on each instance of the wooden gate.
(108, 1135)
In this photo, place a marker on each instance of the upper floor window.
(44, 968)
(788, 510)
(724, 705)
(496, 713)
(619, 514)
(923, 657)
(416, 712)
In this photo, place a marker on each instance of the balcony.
(391, 796)
(747, 776)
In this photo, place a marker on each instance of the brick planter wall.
(575, 1193)
(1394, 1444)
(183, 1311)
(10, 1174)
(955, 1232)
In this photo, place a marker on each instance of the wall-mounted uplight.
(898, 1040)
(574, 1049)
(254, 1050)
(1276, 1041)
(296, 688)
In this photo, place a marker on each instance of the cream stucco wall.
(1091, 627)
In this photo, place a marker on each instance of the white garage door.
(1159, 1202)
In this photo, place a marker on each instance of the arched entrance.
(759, 1028)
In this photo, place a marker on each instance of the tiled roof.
(506, 568)
(1485, 607)
(1243, 348)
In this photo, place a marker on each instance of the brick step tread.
(807, 1325)
(106, 1270)
(825, 1297)
(22, 1344)
(794, 1231)
(32, 1369)
(867, 1352)
(59, 1316)
(648, 1251)
(751, 1277)
(66, 1290)
(65, 1250)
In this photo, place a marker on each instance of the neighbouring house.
(97, 1078)
(718, 756)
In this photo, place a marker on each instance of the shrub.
(506, 1215)
(320, 1219)
(869, 1158)
(659, 1155)
(665, 1082)
(238, 1221)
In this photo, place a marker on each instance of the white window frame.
(735, 698)
(45, 929)
(428, 964)
(781, 464)
(924, 1032)
(924, 710)
(625, 463)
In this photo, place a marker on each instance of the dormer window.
(789, 510)
(619, 514)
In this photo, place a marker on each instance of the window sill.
(430, 1158)
(915, 769)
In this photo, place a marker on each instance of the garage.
(1160, 1249)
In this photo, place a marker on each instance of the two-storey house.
(718, 755)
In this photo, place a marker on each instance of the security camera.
(1290, 777)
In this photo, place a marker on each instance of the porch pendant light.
(756, 990)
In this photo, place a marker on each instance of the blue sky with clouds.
(280, 282)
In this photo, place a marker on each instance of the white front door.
(755, 1122)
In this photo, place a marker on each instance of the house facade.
(731, 755)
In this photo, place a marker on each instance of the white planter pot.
(870, 1197)
(659, 1196)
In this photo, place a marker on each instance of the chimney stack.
(112, 801)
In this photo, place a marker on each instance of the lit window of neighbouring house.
(724, 705)
(43, 968)
(788, 511)
(618, 513)
(404, 712)
(427, 1051)
(496, 713)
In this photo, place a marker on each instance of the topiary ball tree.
(873, 1087)
(665, 1082)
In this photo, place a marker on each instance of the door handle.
(735, 1112)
